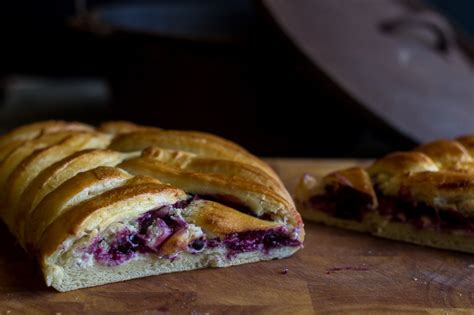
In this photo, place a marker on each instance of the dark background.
(217, 66)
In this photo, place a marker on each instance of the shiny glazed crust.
(438, 175)
(66, 185)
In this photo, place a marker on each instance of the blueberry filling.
(155, 227)
(198, 244)
(120, 251)
(261, 240)
(343, 203)
(423, 216)
(350, 204)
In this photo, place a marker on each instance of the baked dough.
(425, 196)
(122, 201)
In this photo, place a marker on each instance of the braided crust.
(121, 201)
(425, 196)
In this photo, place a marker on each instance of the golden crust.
(117, 204)
(199, 143)
(8, 148)
(448, 189)
(122, 127)
(354, 177)
(258, 198)
(72, 192)
(193, 163)
(218, 220)
(55, 175)
(188, 141)
(31, 131)
(468, 143)
(40, 159)
(435, 173)
(387, 171)
(400, 163)
(445, 152)
(17, 155)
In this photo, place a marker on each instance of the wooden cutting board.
(337, 272)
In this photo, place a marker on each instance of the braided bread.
(425, 196)
(121, 201)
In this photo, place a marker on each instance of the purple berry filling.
(343, 203)
(154, 227)
(347, 203)
(423, 216)
(261, 240)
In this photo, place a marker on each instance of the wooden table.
(337, 271)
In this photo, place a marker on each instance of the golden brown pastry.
(425, 196)
(121, 201)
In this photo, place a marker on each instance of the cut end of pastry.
(183, 236)
(123, 201)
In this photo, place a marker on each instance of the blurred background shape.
(309, 78)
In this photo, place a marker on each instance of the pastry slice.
(425, 196)
(122, 201)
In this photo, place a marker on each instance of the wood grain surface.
(337, 272)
